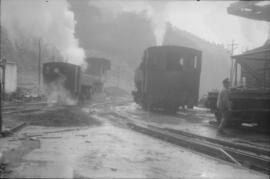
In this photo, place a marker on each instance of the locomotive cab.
(168, 77)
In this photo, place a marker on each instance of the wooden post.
(241, 75)
(3, 78)
(1, 119)
(233, 46)
(39, 65)
(235, 75)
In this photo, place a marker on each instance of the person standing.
(224, 104)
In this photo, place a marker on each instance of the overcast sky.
(211, 21)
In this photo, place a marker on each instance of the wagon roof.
(260, 53)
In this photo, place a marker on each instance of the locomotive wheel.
(171, 109)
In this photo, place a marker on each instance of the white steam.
(48, 20)
(57, 93)
(156, 11)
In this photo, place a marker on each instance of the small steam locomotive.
(69, 81)
(168, 77)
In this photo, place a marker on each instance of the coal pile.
(62, 117)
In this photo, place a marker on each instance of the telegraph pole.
(39, 65)
(1, 120)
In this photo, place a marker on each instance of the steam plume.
(49, 20)
(156, 11)
(57, 93)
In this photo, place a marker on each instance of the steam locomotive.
(69, 79)
(168, 77)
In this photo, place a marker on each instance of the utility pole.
(1, 120)
(39, 65)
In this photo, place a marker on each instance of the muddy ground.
(83, 142)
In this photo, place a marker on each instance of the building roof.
(260, 53)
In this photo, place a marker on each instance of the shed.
(255, 67)
(11, 74)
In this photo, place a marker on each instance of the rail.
(255, 158)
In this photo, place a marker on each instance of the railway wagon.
(250, 92)
(168, 77)
(247, 106)
(69, 77)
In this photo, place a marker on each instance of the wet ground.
(83, 143)
(197, 121)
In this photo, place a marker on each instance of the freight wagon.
(250, 94)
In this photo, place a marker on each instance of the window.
(181, 62)
(195, 61)
(175, 64)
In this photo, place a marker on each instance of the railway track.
(38, 106)
(23, 108)
(240, 155)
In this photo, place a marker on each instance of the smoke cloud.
(156, 12)
(50, 21)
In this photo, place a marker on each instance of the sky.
(211, 21)
(206, 19)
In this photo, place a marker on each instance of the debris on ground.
(4, 170)
(24, 95)
(5, 133)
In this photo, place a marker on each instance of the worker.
(224, 104)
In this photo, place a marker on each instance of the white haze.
(51, 21)
(206, 19)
